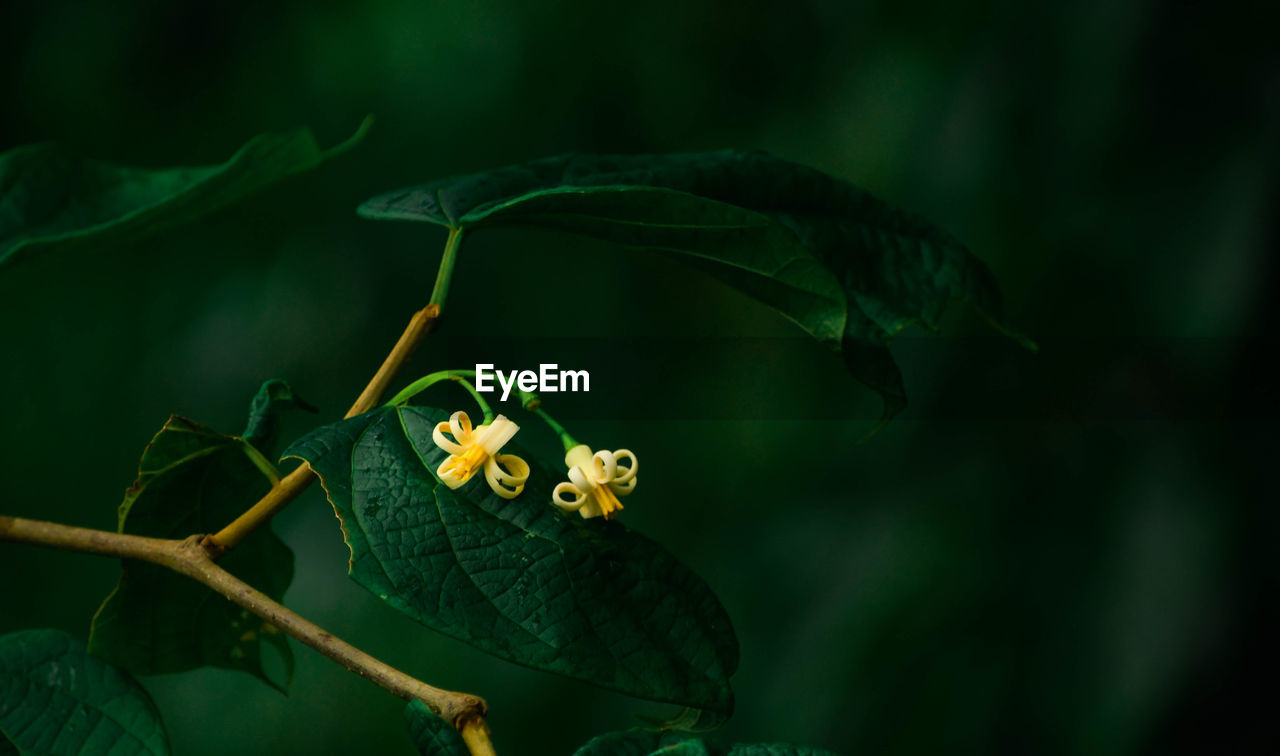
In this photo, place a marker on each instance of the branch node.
(191, 557)
(475, 733)
(210, 546)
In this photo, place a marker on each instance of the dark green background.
(1063, 553)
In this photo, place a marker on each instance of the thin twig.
(189, 557)
(475, 733)
(421, 324)
(445, 274)
(297, 481)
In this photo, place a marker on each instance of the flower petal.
(506, 484)
(460, 426)
(581, 479)
(626, 474)
(578, 456)
(603, 467)
(563, 487)
(622, 489)
(497, 433)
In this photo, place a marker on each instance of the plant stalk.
(444, 276)
(419, 326)
(189, 557)
(475, 733)
(297, 481)
(457, 376)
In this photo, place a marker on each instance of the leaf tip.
(892, 404)
(355, 139)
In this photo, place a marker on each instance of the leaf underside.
(57, 699)
(431, 735)
(519, 579)
(51, 200)
(194, 480)
(844, 265)
(666, 743)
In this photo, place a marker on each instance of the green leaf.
(691, 720)
(841, 263)
(194, 480)
(637, 743)
(50, 200)
(666, 743)
(519, 579)
(752, 251)
(57, 699)
(432, 735)
(263, 429)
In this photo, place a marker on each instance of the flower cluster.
(596, 479)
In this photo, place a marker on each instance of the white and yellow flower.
(471, 450)
(596, 481)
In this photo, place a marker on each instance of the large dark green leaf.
(835, 259)
(57, 699)
(667, 743)
(50, 200)
(194, 480)
(752, 251)
(519, 579)
(263, 429)
(432, 735)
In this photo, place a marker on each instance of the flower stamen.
(606, 501)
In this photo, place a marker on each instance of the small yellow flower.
(472, 450)
(595, 482)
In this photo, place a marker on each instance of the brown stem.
(297, 481)
(189, 557)
(475, 733)
(421, 324)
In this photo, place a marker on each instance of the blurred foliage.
(640, 742)
(192, 479)
(55, 200)
(1065, 552)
